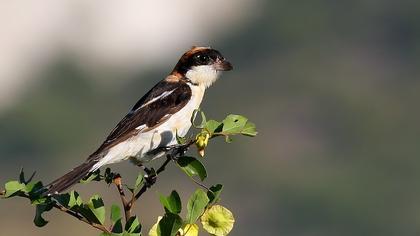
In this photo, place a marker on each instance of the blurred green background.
(333, 87)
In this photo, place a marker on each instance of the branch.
(118, 183)
(174, 152)
(80, 217)
(77, 215)
(147, 185)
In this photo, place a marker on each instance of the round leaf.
(233, 124)
(172, 203)
(169, 225)
(192, 167)
(196, 205)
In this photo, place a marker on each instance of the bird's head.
(201, 65)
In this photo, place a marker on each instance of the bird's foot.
(150, 177)
(173, 150)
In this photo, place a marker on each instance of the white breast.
(137, 146)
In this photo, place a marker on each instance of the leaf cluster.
(199, 206)
(172, 222)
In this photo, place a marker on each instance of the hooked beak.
(223, 65)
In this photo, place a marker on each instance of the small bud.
(201, 141)
(117, 179)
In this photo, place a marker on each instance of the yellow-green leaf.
(96, 205)
(249, 129)
(233, 124)
(13, 187)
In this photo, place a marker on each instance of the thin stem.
(128, 205)
(149, 185)
(173, 153)
(80, 217)
(163, 166)
(118, 183)
(200, 184)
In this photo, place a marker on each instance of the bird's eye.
(202, 59)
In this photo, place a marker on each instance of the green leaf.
(213, 126)
(87, 213)
(32, 188)
(115, 213)
(203, 119)
(96, 205)
(63, 199)
(133, 225)
(179, 139)
(93, 176)
(75, 199)
(41, 208)
(249, 129)
(117, 228)
(22, 176)
(169, 225)
(234, 124)
(38, 201)
(192, 167)
(196, 205)
(214, 193)
(172, 203)
(13, 188)
(139, 180)
(69, 200)
(109, 176)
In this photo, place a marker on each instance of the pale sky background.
(99, 35)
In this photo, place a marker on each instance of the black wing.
(154, 108)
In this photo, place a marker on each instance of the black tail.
(69, 179)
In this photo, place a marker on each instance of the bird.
(156, 119)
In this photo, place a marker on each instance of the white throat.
(204, 75)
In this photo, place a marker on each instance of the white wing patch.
(141, 127)
(163, 95)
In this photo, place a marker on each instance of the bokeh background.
(333, 87)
